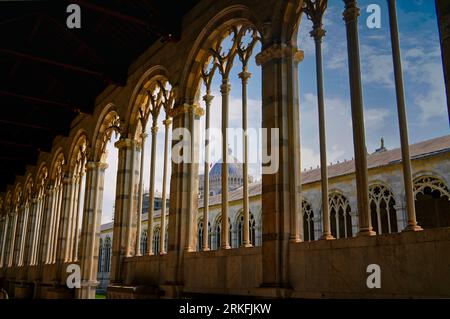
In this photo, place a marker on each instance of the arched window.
(210, 236)
(199, 235)
(308, 221)
(382, 211)
(340, 219)
(166, 239)
(107, 253)
(100, 256)
(240, 230)
(432, 202)
(144, 242)
(217, 231)
(156, 236)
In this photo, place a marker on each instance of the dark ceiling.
(50, 73)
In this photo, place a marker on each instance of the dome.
(234, 168)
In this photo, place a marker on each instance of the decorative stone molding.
(277, 51)
(124, 143)
(96, 165)
(351, 12)
(187, 108)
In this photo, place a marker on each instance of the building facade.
(51, 216)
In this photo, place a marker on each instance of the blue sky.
(424, 89)
(423, 75)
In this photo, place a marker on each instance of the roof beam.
(113, 13)
(32, 126)
(53, 62)
(39, 100)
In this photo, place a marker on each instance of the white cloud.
(375, 117)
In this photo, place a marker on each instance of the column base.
(87, 290)
(225, 247)
(366, 232)
(411, 228)
(327, 237)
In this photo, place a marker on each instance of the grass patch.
(100, 296)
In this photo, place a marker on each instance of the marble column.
(402, 119)
(443, 16)
(280, 187)
(167, 122)
(224, 236)
(29, 231)
(315, 11)
(92, 212)
(63, 242)
(245, 76)
(140, 196)
(151, 195)
(351, 14)
(3, 240)
(182, 199)
(124, 215)
(208, 100)
(77, 209)
(44, 236)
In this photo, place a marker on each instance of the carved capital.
(124, 143)
(225, 88)
(278, 51)
(96, 165)
(208, 99)
(167, 122)
(318, 34)
(187, 108)
(244, 75)
(351, 12)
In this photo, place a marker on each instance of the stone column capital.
(352, 11)
(167, 122)
(187, 108)
(208, 98)
(277, 51)
(124, 143)
(244, 75)
(96, 165)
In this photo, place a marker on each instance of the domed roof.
(234, 167)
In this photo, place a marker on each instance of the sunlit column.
(225, 90)
(245, 75)
(151, 195)
(92, 210)
(30, 228)
(20, 212)
(23, 236)
(167, 122)
(78, 206)
(140, 198)
(402, 119)
(14, 216)
(351, 14)
(208, 100)
(3, 247)
(315, 11)
(63, 241)
(58, 213)
(35, 228)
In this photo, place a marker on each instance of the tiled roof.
(419, 150)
